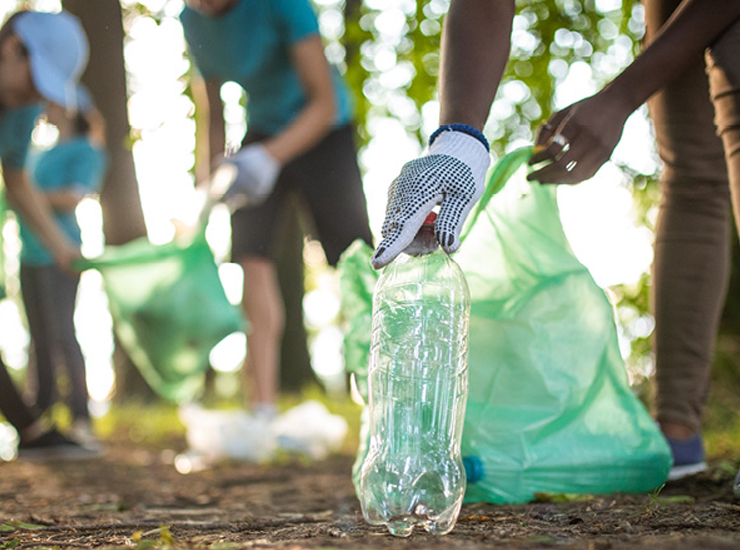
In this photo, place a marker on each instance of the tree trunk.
(123, 218)
(106, 78)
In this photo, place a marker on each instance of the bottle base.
(403, 526)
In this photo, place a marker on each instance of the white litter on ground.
(308, 429)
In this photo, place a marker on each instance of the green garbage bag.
(356, 287)
(169, 310)
(549, 406)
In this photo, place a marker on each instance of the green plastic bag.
(549, 406)
(169, 310)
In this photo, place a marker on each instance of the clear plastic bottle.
(413, 473)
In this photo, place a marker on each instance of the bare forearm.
(35, 211)
(476, 40)
(311, 125)
(319, 112)
(693, 28)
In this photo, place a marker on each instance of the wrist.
(459, 127)
(465, 148)
(273, 151)
(627, 98)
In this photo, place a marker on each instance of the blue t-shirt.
(16, 127)
(250, 45)
(75, 165)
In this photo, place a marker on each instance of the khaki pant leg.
(691, 265)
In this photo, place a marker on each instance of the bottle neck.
(424, 243)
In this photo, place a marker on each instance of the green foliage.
(143, 424)
(14, 525)
(549, 37)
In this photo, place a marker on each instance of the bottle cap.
(473, 468)
(431, 218)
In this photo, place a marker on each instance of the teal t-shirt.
(75, 164)
(16, 127)
(250, 45)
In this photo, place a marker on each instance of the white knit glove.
(451, 173)
(253, 173)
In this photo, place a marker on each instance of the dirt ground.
(134, 497)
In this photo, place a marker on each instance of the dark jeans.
(49, 296)
(12, 406)
(697, 125)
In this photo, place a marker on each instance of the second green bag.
(169, 310)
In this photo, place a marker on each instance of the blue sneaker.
(736, 485)
(688, 457)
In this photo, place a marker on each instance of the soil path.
(134, 497)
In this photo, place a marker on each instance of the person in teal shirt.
(42, 56)
(71, 170)
(299, 141)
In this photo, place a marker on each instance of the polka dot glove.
(254, 177)
(451, 173)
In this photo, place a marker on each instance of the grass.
(722, 416)
(158, 423)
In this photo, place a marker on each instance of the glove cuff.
(458, 127)
(463, 147)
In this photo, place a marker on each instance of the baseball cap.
(58, 51)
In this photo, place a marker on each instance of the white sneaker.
(82, 432)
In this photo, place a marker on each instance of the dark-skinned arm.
(594, 125)
(476, 40)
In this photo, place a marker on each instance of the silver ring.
(571, 166)
(560, 139)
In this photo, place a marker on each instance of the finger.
(399, 231)
(583, 170)
(452, 215)
(579, 163)
(545, 153)
(550, 128)
(544, 134)
(558, 146)
(583, 160)
(559, 170)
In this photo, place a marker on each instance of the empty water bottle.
(413, 473)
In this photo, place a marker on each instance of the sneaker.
(82, 433)
(53, 445)
(736, 485)
(688, 457)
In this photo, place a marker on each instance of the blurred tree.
(106, 78)
(392, 57)
(123, 218)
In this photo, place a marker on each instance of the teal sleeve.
(16, 137)
(296, 18)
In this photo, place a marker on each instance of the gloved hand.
(451, 173)
(247, 177)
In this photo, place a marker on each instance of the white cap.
(58, 50)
